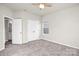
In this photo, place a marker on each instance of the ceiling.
(32, 9)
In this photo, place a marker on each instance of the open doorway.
(8, 31)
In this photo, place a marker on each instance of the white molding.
(2, 49)
(4, 31)
(61, 43)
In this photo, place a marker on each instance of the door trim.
(4, 28)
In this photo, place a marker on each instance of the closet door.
(17, 31)
(33, 29)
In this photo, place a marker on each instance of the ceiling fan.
(42, 5)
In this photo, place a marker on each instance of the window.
(45, 28)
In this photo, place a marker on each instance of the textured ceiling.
(32, 9)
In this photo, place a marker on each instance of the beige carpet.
(39, 48)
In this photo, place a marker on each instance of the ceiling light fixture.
(41, 6)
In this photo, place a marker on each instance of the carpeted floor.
(39, 48)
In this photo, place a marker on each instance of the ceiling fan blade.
(35, 3)
(48, 5)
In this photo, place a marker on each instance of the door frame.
(4, 29)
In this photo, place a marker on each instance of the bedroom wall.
(63, 27)
(4, 11)
(24, 15)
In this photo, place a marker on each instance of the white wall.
(24, 15)
(63, 27)
(4, 11)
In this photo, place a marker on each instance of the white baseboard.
(62, 44)
(2, 49)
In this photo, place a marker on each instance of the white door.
(17, 31)
(33, 29)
